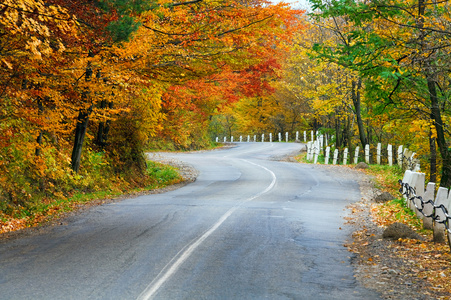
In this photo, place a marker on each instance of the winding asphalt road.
(250, 227)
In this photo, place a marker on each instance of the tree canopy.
(89, 84)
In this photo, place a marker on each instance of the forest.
(364, 72)
(87, 87)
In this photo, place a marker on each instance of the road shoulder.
(377, 266)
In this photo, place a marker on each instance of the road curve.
(250, 227)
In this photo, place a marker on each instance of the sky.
(302, 4)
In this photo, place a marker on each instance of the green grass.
(162, 175)
(386, 177)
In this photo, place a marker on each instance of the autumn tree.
(400, 48)
(330, 93)
(31, 46)
(85, 85)
(205, 45)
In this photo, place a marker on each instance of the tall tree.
(401, 50)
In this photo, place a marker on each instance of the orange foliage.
(72, 81)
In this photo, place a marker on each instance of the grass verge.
(42, 210)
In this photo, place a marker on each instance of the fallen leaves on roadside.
(13, 225)
(385, 214)
(427, 260)
(430, 261)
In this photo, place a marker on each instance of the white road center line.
(186, 251)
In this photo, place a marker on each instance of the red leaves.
(258, 77)
(182, 66)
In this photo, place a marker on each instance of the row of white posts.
(268, 137)
(315, 147)
(404, 155)
(438, 207)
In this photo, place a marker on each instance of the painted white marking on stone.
(174, 264)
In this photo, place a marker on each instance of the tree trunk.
(80, 132)
(337, 132)
(82, 124)
(39, 138)
(355, 95)
(433, 158)
(104, 127)
(315, 127)
(348, 133)
(441, 141)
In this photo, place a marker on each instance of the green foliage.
(406, 84)
(43, 185)
(122, 29)
(392, 173)
(125, 147)
(159, 144)
(95, 174)
(403, 214)
(191, 144)
(126, 6)
(161, 174)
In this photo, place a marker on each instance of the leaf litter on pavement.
(398, 269)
